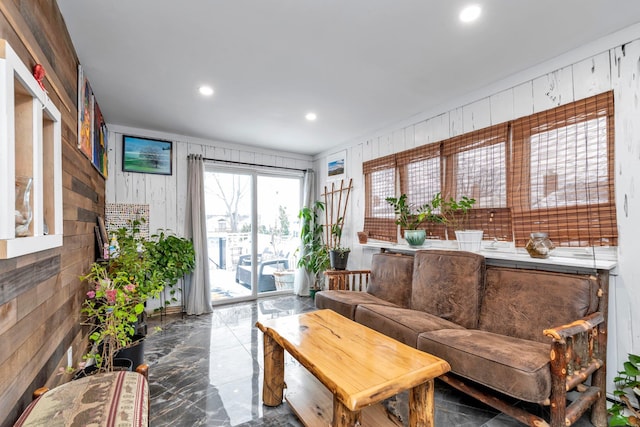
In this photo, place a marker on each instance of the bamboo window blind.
(550, 172)
(420, 180)
(380, 183)
(562, 176)
(475, 166)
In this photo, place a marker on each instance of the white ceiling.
(360, 65)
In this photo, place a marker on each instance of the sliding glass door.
(252, 230)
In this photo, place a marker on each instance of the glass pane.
(228, 209)
(278, 207)
(481, 174)
(423, 181)
(382, 186)
(569, 165)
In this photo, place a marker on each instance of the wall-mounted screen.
(146, 155)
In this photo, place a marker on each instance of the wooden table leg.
(342, 416)
(273, 389)
(421, 405)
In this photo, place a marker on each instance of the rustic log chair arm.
(576, 353)
(562, 332)
(348, 280)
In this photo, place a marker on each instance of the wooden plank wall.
(40, 293)
(608, 64)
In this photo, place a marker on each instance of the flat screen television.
(146, 155)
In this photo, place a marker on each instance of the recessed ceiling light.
(206, 90)
(311, 116)
(470, 13)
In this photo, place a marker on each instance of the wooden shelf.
(510, 256)
(30, 146)
(313, 403)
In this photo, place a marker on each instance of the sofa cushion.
(448, 284)
(391, 276)
(522, 303)
(515, 367)
(345, 302)
(402, 324)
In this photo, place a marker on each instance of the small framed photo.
(145, 155)
(336, 165)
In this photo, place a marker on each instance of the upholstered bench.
(116, 399)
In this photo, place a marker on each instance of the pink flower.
(91, 294)
(130, 287)
(111, 295)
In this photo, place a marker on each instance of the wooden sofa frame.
(577, 353)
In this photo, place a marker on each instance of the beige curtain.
(303, 279)
(198, 289)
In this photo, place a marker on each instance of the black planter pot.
(119, 364)
(338, 259)
(135, 352)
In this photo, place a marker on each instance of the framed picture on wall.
(99, 140)
(145, 155)
(85, 114)
(336, 165)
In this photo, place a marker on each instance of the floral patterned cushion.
(115, 399)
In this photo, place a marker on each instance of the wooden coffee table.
(359, 366)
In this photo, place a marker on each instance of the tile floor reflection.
(207, 371)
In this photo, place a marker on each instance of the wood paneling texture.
(40, 293)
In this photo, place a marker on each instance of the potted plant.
(454, 213)
(173, 256)
(338, 254)
(409, 217)
(114, 302)
(623, 413)
(314, 254)
(120, 287)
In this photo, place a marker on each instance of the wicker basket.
(284, 279)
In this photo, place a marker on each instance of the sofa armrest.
(578, 352)
(348, 280)
(563, 332)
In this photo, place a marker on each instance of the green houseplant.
(455, 214)
(120, 287)
(173, 256)
(409, 218)
(623, 413)
(338, 254)
(314, 254)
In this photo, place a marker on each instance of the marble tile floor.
(207, 371)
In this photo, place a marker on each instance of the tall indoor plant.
(409, 218)
(314, 254)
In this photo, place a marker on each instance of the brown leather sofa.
(509, 335)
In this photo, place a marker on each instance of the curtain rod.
(252, 164)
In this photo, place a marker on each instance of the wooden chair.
(348, 280)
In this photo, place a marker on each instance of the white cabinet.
(31, 148)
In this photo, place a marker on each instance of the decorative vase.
(415, 238)
(539, 245)
(23, 205)
(338, 259)
(469, 240)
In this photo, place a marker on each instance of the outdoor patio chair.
(266, 268)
